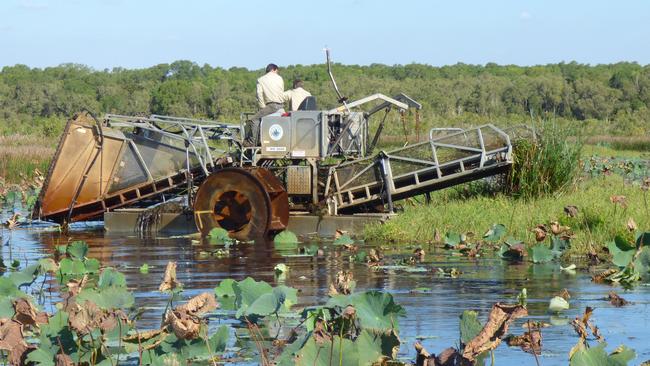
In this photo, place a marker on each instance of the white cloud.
(525, 15)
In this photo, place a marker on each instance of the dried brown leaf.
(419, 254)
(27, 314)
(618, 200)
(349, 312)
(12, 222)
(530, 341)
(564, 294)
(495, 328)
(646, 184)
(199, 305)
(80, 318)
(343, 283)
(374, 257)
(183, 326)
(540, 233)
(437, 238)
(12, 340)
(616, 300)
(631, 225)
(448, 357)
(582, 323)
(600, 277)
(169, 282)
(351, 247)
(558, 229)
(74, 286)
(320, 333)
(64, 360)
(571, 211)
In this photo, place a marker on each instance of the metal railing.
(191, 134)
(456, 157)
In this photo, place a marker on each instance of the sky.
(142, 33)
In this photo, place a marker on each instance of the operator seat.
(309, 104)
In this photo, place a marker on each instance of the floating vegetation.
(583, 355)
(286, 240)
(633, 169)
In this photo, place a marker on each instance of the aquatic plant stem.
(139, 347)
(207, 345)
(645, 203)
(539, 329)
(341, 343)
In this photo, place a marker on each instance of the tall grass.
(634, 143)
(545, 165)
(597, 223)
(20, 155)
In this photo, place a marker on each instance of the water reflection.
(432, 316)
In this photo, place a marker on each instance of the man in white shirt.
(296, 96)
(270, 88)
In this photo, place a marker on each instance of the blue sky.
(141, 33)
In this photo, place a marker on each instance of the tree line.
(37, 101)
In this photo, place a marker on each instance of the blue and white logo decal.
(276, 132)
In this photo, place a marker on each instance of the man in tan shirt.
(295, 96)
(270, 88)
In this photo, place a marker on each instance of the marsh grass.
(549, 164)
(597, 223)
(20, 155)
(621, 143)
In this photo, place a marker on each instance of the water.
(431, 316)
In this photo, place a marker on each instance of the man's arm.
(260, 95)
(286, 96)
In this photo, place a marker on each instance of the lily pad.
(598, 356)
(111, 277)
(269, 303)
(285, 237)
(338, 351)
(108, 298)
(376, 311)
(69, 266)
(540, 253)
(225, 288)
(9, 289)
(6, 307)
(452, 239)
(343, 240)
(219, 236)
(620, 258)
(77, 250)
(372, 347)
(41, 356)
(495, 233)
(26, 276)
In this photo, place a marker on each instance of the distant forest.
(612, 98)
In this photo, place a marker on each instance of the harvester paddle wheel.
(248, 203)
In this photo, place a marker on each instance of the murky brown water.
(432, 316)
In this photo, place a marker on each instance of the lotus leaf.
(495, 233)
(540, 253)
